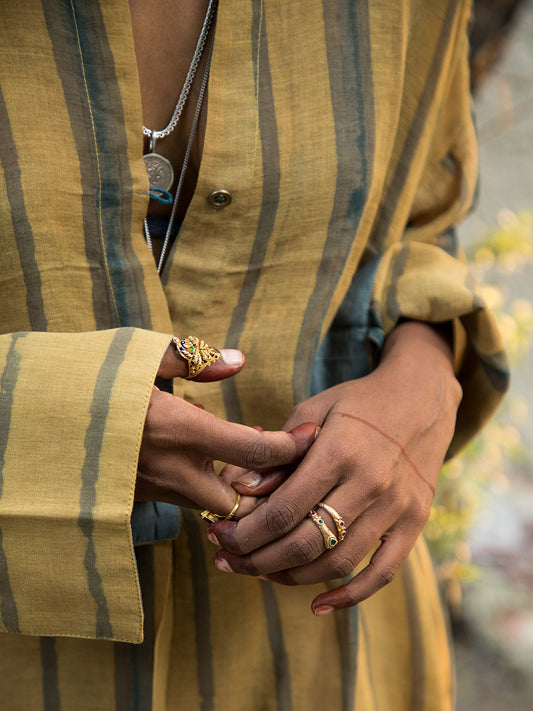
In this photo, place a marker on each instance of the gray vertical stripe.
(134, 663)
(126, 676)
(418, 652)
(202, 612)
(93, 446)
(8, 606)
(391, 300)
(94, 103)
(347, 624)
(271, 187)
(21, 224)
(390, 201)
(67, 57)
(50, 678)
(280, 658)
(347, 36)
(371, 679)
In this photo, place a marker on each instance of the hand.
(180, 442)
(376, 461)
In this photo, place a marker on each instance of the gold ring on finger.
(213, 517)
(234, 509)
(330, 539)
(335, 515)
(197, 354)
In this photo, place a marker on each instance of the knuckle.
(418, 513)
(402, 500)
(344, 456)
(378, 485)
(303, 550)
(340, 567)
(257, 455)
(387, 574)
(279, 520)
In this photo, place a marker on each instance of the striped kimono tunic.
(342, 130)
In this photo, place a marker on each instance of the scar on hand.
(392, 441)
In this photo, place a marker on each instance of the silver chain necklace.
(159, 168)
(168, 234)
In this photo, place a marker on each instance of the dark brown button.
(219, 199)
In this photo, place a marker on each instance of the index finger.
(252, 449)
(283, 511)
(183, 426)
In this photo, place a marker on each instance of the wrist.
(420, 356)
(418, 337)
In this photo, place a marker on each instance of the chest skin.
(165, 34)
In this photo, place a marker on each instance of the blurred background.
(481, 528)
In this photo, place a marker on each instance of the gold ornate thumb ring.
(335, 515)
(197, 353)
(213, 517)
(330, 539)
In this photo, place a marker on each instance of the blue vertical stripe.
(347, 28)
(94, 102)
(21, 224)
(89, 474)
(50, 676)
(8, 606)
(271, 190)
(280, 659)
(202, 612)
(134, 663)
(411, 143)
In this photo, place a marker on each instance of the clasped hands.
(371, 449)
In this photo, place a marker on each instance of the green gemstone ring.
(329, 538)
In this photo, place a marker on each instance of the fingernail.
(323, 610)
(317, 431)
(232, 357)
(213, 539)
(250, 479)
(222, 564)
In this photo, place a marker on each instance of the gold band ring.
(330, 539)
(234, 509)
(335, 515)
(197, 354)
(213, 517)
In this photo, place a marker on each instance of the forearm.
(420, 339)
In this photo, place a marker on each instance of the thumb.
(173, 365)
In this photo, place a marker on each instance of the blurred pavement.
(495, 644)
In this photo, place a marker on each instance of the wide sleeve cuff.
(423, 282)
(72, 412)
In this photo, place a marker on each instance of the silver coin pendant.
(160, 171)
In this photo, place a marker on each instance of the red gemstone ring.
(335, 515)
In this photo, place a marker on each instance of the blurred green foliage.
(480, 470)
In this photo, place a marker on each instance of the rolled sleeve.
(72, 409)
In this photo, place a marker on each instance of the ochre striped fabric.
(67, 479)
(343, 132)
